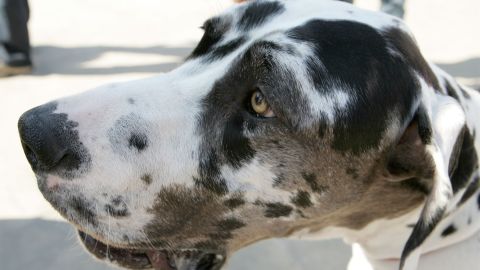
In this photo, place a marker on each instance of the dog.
(309, 119)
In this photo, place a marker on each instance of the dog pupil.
(258, 98)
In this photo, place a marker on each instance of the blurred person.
(392, 7)
(14, 40)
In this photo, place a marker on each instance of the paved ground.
(81, 44)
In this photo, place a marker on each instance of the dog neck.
(381, 242)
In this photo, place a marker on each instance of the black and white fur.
(369, 142)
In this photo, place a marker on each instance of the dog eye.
(260, 105)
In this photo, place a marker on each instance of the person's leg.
(393, 7)
(14, 38)
(16, 14)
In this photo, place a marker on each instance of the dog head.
(287, 115)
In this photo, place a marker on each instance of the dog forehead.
(240, 26)
(262, 17)
(235, 32)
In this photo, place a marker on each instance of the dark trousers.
(14, 16)
(392, 7)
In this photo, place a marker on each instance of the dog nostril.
(31, 157)
(44, 157)
(42, 138)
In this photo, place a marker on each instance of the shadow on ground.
(38, 244)
(468, 69)
(71, 61)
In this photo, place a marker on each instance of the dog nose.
(46, 139)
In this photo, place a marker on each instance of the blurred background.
(78, 45)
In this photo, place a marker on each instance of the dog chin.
(145, 258)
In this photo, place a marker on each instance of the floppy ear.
(424, 151)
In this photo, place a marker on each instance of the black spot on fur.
(138, 141)
(210, 178)
(424, 125)
(225, 49)
(358, 56)
(214, 30)
(478, 201)
(472, 188)
(114, 212)
(278, 180)
(302, 199)
(420, 232)
(450, 90)
(184, 213)
(449, 230)
(236, 146)
(454, 156)
(230, 224)
(234, 202)
(117, 208)
(311, 180)
(258, 13)
(466, 164)
(217, 185)
(83, 210)
(322, 127)
(146, 178)
(416, 184)
(275, 210)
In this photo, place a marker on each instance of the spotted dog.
(298, 118)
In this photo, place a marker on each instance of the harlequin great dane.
(289, 119)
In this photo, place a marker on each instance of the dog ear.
(424, 152)
(410, 158)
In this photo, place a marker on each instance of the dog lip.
(124, 257)
(158, 259)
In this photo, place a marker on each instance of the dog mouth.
(132, 258)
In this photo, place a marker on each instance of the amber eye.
(259, 105)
